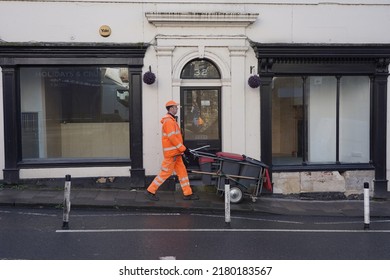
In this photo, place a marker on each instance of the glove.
(187, 153)
(185, 159)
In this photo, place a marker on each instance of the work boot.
(151, 196)
(191, 197)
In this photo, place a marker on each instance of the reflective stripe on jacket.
(172, 140)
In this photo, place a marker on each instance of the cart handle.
(218, 174)
(200, 148)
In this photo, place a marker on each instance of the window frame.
(76, 114)
(326, 60)
(13, 57)
(305, 127)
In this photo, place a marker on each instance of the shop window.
(354, 119)
(78, 112)
(287, 120)
(320, 119)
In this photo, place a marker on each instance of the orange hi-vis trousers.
(169, 165)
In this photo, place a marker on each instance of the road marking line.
(126, 214)
(168, 258)
(220, 230)
(350, 222)
(91, 215)
(29, 213)
(250, 219)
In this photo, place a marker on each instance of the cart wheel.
(236, 195)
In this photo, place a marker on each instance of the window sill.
(323, 167)
(81, 162)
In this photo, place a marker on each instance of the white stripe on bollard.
(65, 214)
(227, 202)
(366, 206)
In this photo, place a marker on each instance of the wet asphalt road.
(102, 234)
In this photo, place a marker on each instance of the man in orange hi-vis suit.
(173, 148)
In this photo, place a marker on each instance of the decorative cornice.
(201, 19)
(265, 65)
(63, 53)
(382, 65)
(68, 49)
(376, 55)
(164, 50)
(321, 52)
(238, 51)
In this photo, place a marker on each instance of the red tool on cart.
(247, 176)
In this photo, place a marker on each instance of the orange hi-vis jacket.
(172, 140)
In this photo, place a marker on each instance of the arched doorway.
(201, 107)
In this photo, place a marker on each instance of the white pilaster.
(164, 76)
(238, 86)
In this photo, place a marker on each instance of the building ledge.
(201, 19)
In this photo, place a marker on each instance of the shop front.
(323, 116)
(74, 107)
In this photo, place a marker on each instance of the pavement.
(173, 201)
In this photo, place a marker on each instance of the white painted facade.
(179, 31)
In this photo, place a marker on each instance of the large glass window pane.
(201, 110)
(354, 119)
(322, 96)
(287, 120)
(74, 112)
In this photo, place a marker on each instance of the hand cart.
(246, 175)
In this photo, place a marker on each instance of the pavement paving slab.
(173, 201)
